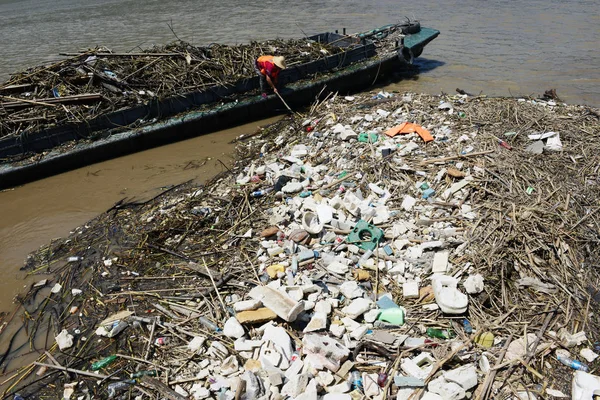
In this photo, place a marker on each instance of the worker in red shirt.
(268, 68)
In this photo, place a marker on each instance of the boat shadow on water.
(413, 71)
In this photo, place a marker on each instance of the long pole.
(283, 101)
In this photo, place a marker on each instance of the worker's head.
(279, 61)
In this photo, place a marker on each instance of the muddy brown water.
(35, 213)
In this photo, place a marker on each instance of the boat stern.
(415, 42)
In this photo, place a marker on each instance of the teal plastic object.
(392, 315)
(365, 235)
(368, 138)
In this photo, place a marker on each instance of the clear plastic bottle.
(209, 324)
(569, 362)
(365, 257)
(356, 379)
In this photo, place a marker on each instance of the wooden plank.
(76, 99)
(123, 54)
(16, 88)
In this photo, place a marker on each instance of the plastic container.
(209, 324)
(569, 362)
(98, 365)
(393, 316)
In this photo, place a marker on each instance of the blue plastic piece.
(388, 250)
(467, 326)
(385, 302)
(427, 193)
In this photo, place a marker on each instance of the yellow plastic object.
(485, 339)
(274, 269)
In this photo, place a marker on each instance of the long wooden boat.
(367, 57)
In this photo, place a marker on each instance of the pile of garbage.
(99, 81)
(382, 245)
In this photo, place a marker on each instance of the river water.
(495, 47)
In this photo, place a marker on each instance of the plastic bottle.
(440, 333)
(363, 259)
(356, 379)
(103, 363)
(504, 144)
(117, 387)
(139, 374)
(467, 326)
(381, 379)
(569, 362)
(209, 324)
(261, 193)
(305, 193)
(295, 356)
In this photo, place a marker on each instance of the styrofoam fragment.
(280, 304)
(447, 390)
(317, 322)
(465, 376)
(247, 305)
(410, 290)
(357, 307)
(440, 262)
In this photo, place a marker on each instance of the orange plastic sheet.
(409, 127)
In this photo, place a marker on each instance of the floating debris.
(353, 283)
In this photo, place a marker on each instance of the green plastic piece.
(440, 333)
(139, 374)
(103, 363)
(368, 138)
(392, 315)
(365, 235)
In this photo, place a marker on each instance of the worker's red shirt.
(267, 67)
